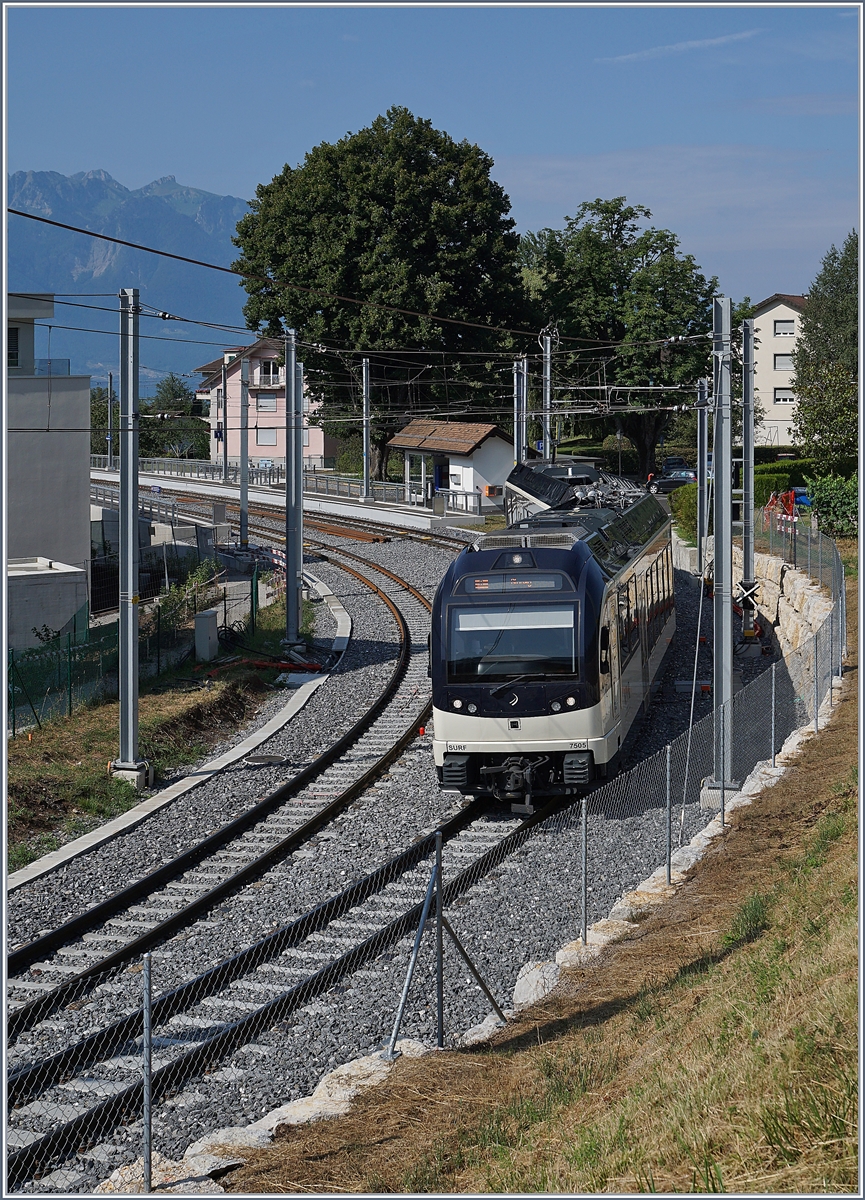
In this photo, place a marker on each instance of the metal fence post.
(832, 652)
(158, 639)
(440, 975)
(391, 1052)
(585, 858)
(69, 674)
(774, 665)
(146, 1047)
(816, 689)
(669, 817)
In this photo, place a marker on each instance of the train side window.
(605, 650)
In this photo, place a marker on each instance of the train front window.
(492, 645)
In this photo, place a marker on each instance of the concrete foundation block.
(140, 777)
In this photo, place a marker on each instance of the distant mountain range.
(164, 214)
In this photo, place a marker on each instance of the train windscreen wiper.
(516, 679)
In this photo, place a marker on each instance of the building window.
(12, 346)
(268, 373)
(784, 329)
(219, 400)
(305, 437)
(266, 402)
(784, 396)
(265, 437)
(783, 362)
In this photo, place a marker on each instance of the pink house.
(266, 408)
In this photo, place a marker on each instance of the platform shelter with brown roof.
(470, 459)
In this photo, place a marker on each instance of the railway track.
(60, 965)
(199, 1023)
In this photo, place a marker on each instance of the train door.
(644, 600)
(609, 664)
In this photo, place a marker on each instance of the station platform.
(408, 516)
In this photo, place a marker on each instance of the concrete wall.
(22, 311)
(49, 467)
(42, 592)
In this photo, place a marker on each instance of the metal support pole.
(584, 825)
(440, 965)
(128, 606)
(292, 615)
(832, 653)
(244, 454)
(253, 598)
(110, 423)
(367, 430)
(518, 458)
(524, 418)
(722, 684)
(702, 470)
(669, 818)
(69, 674)
(816, 687)
(159, 637)
(774, 665)
(298, 493)
(146, 1048)
(723, 760)
(748, 582)
(548, 449)
(471, 966)
(391, 1052)
(224, 423)
(12, 688)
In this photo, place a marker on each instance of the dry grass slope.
(715, 1051)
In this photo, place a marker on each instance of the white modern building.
(48, 469)
(776, 327)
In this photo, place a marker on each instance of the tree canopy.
(402, 215)
(825, 363)
(617, 296)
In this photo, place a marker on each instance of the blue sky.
(736, 125)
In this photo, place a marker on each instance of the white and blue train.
(547, 637)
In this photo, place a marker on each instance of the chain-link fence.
(78, 1064)
(54, 679)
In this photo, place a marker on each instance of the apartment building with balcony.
(776, 328)
(220, 392)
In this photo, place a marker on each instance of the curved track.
(232, 856)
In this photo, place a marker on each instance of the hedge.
(765, 484)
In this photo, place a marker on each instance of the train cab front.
(514, 649)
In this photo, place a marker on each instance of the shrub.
(683, 505)
(768, 482)
(836, 502)
(630, 457)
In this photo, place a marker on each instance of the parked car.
(670, 480)
(674, 462)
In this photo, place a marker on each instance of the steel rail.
(27, 1015)
(89, 1126)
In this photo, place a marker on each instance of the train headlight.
(456, 703)
(571, 701)
(556, 706)
(472, 708)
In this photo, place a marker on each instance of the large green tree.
(402, 215)
(618, 295)
(825, 361)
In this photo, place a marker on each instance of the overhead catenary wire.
(286, 284)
